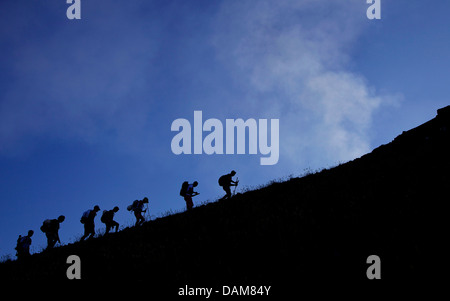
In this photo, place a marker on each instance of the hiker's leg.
(48, 240)
(51, 240)
(84, 235)
(136, 215)
(92, 230)
(115, 224)
(228, 191)
(87, 231)
(139, 218)
(189, 203)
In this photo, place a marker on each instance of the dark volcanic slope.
(388, 203)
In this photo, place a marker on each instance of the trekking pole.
(237, 182)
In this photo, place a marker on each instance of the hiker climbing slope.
(187, 192)
(88, 220)
(108, 219)
(138, 207)
(226, 181)
(51, 229)
(23, 245)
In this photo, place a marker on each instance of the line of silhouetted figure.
(50, 227)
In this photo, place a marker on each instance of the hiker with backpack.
(88, 220)
(187, 192)
(138, 207)
(51, 228)
(226, 181)
(23, 245)
(108, 219)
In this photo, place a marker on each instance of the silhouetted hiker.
(88, 220)
(187, 192)
(23, 245)
(226, 182)
(51, 228)
(108, 219)
(138, 208)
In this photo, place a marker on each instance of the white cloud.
(293, 59)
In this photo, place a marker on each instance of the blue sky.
(86, 105)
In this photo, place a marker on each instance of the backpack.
(133, 206)
(104, 217)
(184, 188)
(223, 180)
(23, 243)
(19, 244)
(107, 216)
(85, 216)
(46, 225)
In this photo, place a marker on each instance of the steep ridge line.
(321, 226)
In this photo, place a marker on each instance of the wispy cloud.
(289, 59)
(293, 58)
